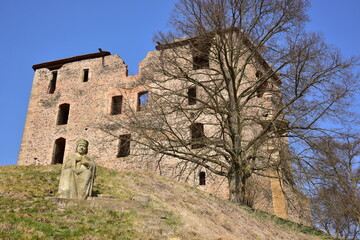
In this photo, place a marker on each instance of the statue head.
(82, 146)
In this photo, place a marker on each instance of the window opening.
(52, 85)
(201, 53)
(192, 95)
(262, 88)
(63, 114)
(86, 75)
(202, 178)
(258, 74)
(116, 105)
(197, 135)
(124, 145)
(143, 99)
(59, 150)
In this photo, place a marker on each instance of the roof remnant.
(53, 65)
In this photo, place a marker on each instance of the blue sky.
(43, 30)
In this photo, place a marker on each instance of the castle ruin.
(72, 97)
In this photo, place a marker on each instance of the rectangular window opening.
(143, 100)
(52, 85)
(197, 135)
(201, 54)
(86, 75)
(124, 145)
(192, 96)
(201, 62)
(116, 105)
(262, 88)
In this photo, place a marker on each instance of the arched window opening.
(202, 178)
(59, 150)
(63, 114)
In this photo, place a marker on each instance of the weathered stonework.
(90, 106)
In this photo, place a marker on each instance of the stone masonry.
(71, 97)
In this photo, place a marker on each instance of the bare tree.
(233, 83)
(333, 182)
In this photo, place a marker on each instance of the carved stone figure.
(78, 173)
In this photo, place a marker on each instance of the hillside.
(175, 211)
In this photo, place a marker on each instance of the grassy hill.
(175, 211)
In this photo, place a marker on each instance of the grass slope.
(176, 211)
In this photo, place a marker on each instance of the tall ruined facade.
(72, 97)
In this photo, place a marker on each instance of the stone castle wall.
(90, 107)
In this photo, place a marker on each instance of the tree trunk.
(237, 186)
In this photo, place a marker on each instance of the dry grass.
(175, 211)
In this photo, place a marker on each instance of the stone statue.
(78, 173)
